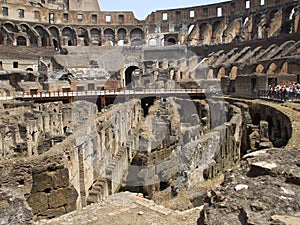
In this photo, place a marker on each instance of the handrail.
(106, 92)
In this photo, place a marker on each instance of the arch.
(259, 68)
(109, 34)
(82, 37)
(272, 68)
(21, 41)
(205, 33)
(69, 36)
(233, 73)
(128, 75)
(10, 26)
(44, 35)
(95, 36)
(122, 34)
(216, 32)
(30, 77)
(221, 73)
(256, 30)
(136, 36)
(31, 33)
(284, 68)
(171, 41)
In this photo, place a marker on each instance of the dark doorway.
(128, 75)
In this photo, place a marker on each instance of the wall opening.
(128, 76)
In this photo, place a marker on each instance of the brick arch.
(21, 40)
(233, 72)
(284, 68)
(43, 34)
(288, 21)
(95, 35)
(171, 40)
(256, 29)
(82, 36)
(221, 72)
(69, 36)
(136, 36)
(272, 68)
(259, 69)
(109, 36)
(55, 35)
(122, 33)
(10, 26)
(32, 35)
(205, 30)
(216, 32)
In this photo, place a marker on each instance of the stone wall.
(65, 177)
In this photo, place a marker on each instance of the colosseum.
(190, 116)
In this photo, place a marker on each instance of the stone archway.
(69, 36)
(171, 41)
(44, 36)
(82, 37)
(109, 36)
(21, 41)
(54, 32)
(128, 75)
(136, 37)
(95, 36)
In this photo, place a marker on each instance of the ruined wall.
(65, 177)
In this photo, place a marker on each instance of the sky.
(141, 8)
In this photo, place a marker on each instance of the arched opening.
(128, 76)
(82, 39)
(69, 36)
(10, 27)
(284, 68)
(43, 35)
(221, 73)
(233, 73)
(272, 68)
(109, 36)
(136, 37)
(171, 41)
(122, 34)
(205, 33)
(55, 37)
(256, 30)
(30, 34)
(21, 41)
(96, 36)
(288, 24)
(259, 69)
(216, 32)
(30, 77)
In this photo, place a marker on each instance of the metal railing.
(109, 92)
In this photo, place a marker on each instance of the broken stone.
(240, 187)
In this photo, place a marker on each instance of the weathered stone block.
(63, 197)
(38, 202)
(42, 182)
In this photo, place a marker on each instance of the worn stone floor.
(126, 208)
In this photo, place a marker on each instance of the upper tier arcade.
(70, 22)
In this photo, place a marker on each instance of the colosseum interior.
(190, 116)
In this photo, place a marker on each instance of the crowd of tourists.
(285, 92)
